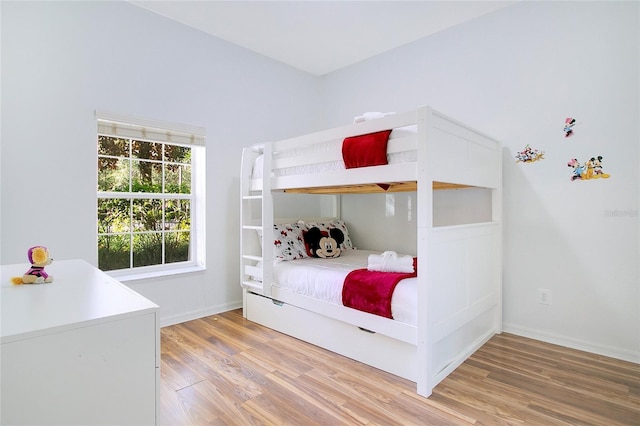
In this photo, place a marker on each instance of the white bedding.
(331, 146)
(323, 279)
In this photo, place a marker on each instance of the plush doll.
(322, 243)
(39, 258)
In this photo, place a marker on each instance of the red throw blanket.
(365, 150)
(371, 291)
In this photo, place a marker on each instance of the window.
(150, 196)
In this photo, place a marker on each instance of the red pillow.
(365, 150)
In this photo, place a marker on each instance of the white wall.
(63, 60)
(517, 74)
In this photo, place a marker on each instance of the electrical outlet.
(544, 296)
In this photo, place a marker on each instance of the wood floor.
(224, 370)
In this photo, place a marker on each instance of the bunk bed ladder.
(256, 216)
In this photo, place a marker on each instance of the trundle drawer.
(374, 349)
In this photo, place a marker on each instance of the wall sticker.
(569, 123)
(529, 155)
(591, 169)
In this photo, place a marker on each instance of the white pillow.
(288, 243)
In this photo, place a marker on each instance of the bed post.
(424, 354)
(267, 222)
(496, 217)
(245, 216)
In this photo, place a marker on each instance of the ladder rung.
(252, 257)
(257, 285)
(252, 197)
(254, 227)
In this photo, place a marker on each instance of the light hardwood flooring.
(225, 370)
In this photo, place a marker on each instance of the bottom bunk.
(456, 302)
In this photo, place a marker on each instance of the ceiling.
(321, 36)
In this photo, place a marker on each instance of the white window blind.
(125, 126)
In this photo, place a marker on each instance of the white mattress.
(331, 146)
(323, 279)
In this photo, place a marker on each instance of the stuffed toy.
(322, 243)
(39, 258)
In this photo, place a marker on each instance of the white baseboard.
(569, 342)
(200, 313)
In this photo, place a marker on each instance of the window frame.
(145, 130)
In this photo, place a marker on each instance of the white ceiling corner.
(321, 36)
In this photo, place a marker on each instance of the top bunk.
(392, 153)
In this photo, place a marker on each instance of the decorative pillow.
(338, 224)
(323, 244)
(365, 150)
(288, 243)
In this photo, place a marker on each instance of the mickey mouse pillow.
(323, 244)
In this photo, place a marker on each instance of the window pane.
(146, 176)
(150, 225)
(146, 150)
(116, 147)
(177, 246)
(177, 215)
(113, 215)
(147, 249)
(177, 179)
(113, 174)
(147, 215)
(113, 252)
(177, 154)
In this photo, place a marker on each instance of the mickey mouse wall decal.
(529, 155)
(590, 169)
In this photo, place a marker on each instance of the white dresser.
(83, 350)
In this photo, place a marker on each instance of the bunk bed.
(458, 287)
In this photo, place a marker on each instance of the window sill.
(137, 276)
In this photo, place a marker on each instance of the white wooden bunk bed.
(459, 291)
